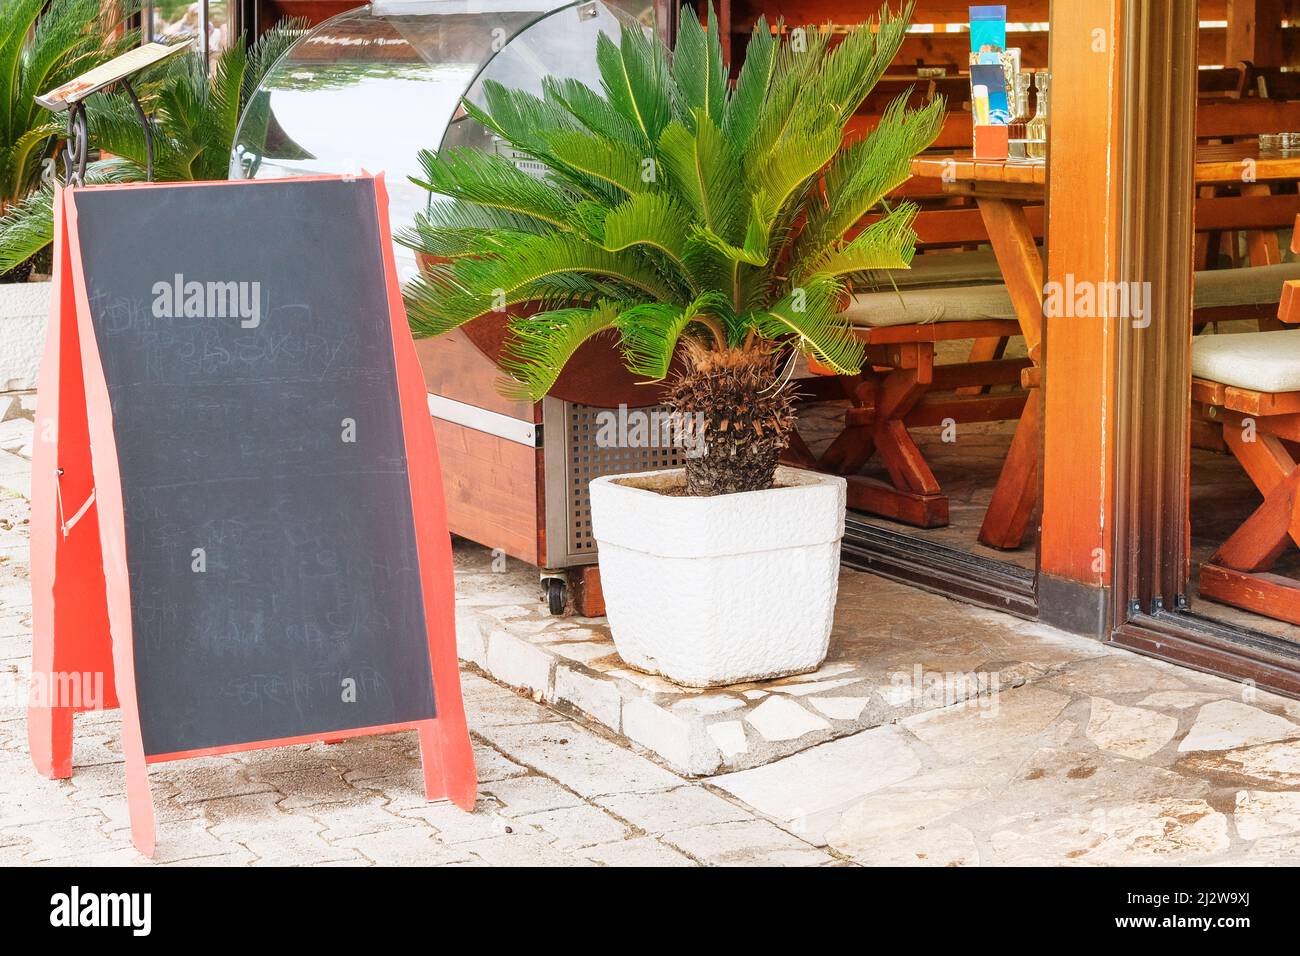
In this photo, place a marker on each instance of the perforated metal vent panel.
(588, 454)
(522, 161)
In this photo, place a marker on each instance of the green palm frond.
(701, 167)
(809, 318)
(673, 206)
(888, 243)
(27, 227)
(266, 52)
(522, 118)
(752, 87)
(659, 221)
(796, 159)
(469, 287)
(864, 173)
(597, 157)
(541, 345)
(634, 76)
(651, 331)
(752, 252)
(699, 76)
(853, 66)
(591, 109)
(456, 215)
(493, 181)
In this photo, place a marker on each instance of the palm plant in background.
(699, 222)
(196, 115)
(44, 43)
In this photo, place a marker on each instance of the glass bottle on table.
(1019, 114)
(1036, 130)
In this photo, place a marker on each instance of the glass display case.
(370, 88)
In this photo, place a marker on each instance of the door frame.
(1150, 612)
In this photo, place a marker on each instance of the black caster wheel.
(557, 594)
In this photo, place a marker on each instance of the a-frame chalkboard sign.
(238, 530)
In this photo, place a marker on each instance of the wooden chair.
(1247, 385)
(1225, 211)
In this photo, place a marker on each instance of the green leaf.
(634, 75)
(540, 346)
(854, 65)
(888, 243)
(864, 173)
(652, 330)
(752, 85)
(656, 220)
(591, 109)
(698, 73)
(809, 318)
(753, 252)
(468, 288)
(795, 160)
(618, 164)
(701, 168)
(28, 226)
(520, 117)
(493, 181)
(26, 229)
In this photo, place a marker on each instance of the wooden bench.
(952, 295)
(901, 387)
(1247, 385)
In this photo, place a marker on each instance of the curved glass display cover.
(370, 88)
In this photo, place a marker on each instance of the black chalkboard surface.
(274, 578)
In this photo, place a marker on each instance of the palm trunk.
(734, 417)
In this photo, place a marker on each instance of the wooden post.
(1083, 227)
(1121, 182)
(1254, 32)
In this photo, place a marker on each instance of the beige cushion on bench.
(1262, 361)
(922, 306)
(946, 267)
(1254, 285)
(909, 305)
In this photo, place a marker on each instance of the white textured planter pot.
(24, 312)
(719, 590)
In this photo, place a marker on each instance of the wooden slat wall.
(927, 49)
(949, 49)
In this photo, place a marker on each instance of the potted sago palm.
(708, 228)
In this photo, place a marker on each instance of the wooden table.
(1002, 189)
(1216, 163)
(1255, 170)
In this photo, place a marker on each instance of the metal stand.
(147, 125)
(75, 151)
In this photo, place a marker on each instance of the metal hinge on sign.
(67, 524)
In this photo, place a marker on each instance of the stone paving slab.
(881, 668)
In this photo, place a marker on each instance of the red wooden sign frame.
(80, 586)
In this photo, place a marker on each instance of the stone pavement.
(895, 652)
(1081, 755)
